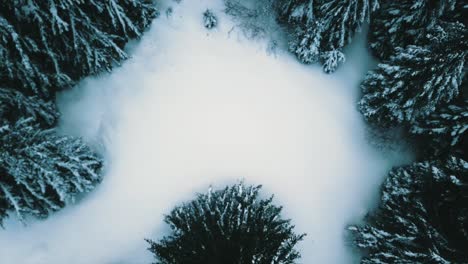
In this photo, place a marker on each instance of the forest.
(412, 95)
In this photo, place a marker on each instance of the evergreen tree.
(46, 46)
(41, 170)
(416, 80)
(49, 45)
(257, 19)
(306, 42)
(331, 60)
(444, 131)
(209, 19)
(422, 218)
(14, 104)
(406, 22)
(228, 226)
(296, 11)
(341, 19)
(419, 85)
(323, 28)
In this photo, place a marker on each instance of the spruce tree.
(14, 104)
(341, 19)
(45, 47)
(417, 80)
(233, 225)
(256, 19)
(422, 217)
(296, 11)
(209, 19)
(41, 170)
(49, 45)
(322, 28)
(406, 22)
(445, 131)
(306, 42)
(421, 86)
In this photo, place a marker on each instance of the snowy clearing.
(195, 107)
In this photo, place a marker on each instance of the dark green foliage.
(341, 19)
(14, 104)
(41, 170)
(209, 19)
(423, 72)
(228, 226)
(331, 60)
(49, 45)
(413, 83)
(407, 22)
(422, 217)
(423, 214)
(306, 42)
(445, 130)
(322, 28)
(45, 47)
(418, 87)
(296, 11)
(256, 18)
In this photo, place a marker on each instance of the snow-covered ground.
(195, 107)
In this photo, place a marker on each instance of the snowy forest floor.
(195, 107)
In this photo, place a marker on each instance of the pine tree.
(398, 24)
(42, 170)
(445, 130)
(209, 19)
(341, 20)
(416, 80)
(256, 18)
(324, 27)
(296, 11)
(420, 86)
(228, 226)
(14, 104)
(422, 218)
(49, 45)
(306, 42)
(331, 60)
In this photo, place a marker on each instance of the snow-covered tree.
(445, 130)
(209, 19)
(48, 45)
(342, 19)
(256, 19)
(331, 60)
(406, 22)
(228, 226)
(40, 170)
(296, 11)
(415, 81)
(305, 43)
(324, 26)
(422, 217)
(14, 104)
